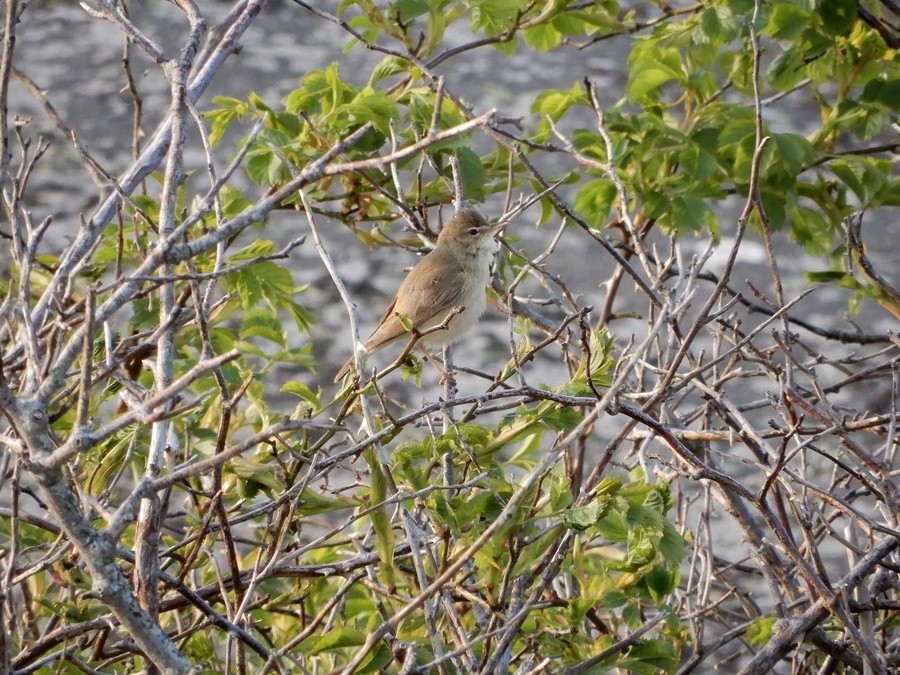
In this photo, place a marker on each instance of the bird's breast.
(476, 272)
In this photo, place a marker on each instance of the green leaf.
(698, 164)
(646, 81)
(221, 120)
(266, 168)
(614, 598)
(760, 631)
(471, 171)
(583, 517)
(542, 37)
(671, 546)
(376, 661)
(787, 21)
(631, 615)
(381, 522)
(303, 319)
(410, 9)
(256, 473)
(555, 102)
(256, 101)
(261, 322)
(737, 129)
(561, 418)
(649, 67)
(609, 486)
(475, 436)
(852, 172)
(494, 16)
(303, 391)
(660, 582)
(321, 91)
(787, 69)
(690, 213)
(793, 150)
(774, 205)
(345, 636)
(264, 281)
(890, 195)
(720, 24)
(594, 201)
(561, 494)
(884, 92)
(312, 503)
(228, 102)
(811, 230)
(600, 344)
(828, 277)
(710, 24)
(254, 249)
(838, 16)
(614, 526)
(76, 611)
(871, 124)
(650, 657)
(390, 65)
(641, 548)
(372, 106)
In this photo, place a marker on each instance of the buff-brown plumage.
(454, 274)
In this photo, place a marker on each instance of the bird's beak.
(499, 226)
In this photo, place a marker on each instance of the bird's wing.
(423, 297)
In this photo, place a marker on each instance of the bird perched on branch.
(443, 296)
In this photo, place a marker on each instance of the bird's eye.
(473, 231)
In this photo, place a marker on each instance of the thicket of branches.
(684, 470)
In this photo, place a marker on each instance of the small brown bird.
(453, 275)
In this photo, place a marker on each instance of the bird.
(451, 278)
